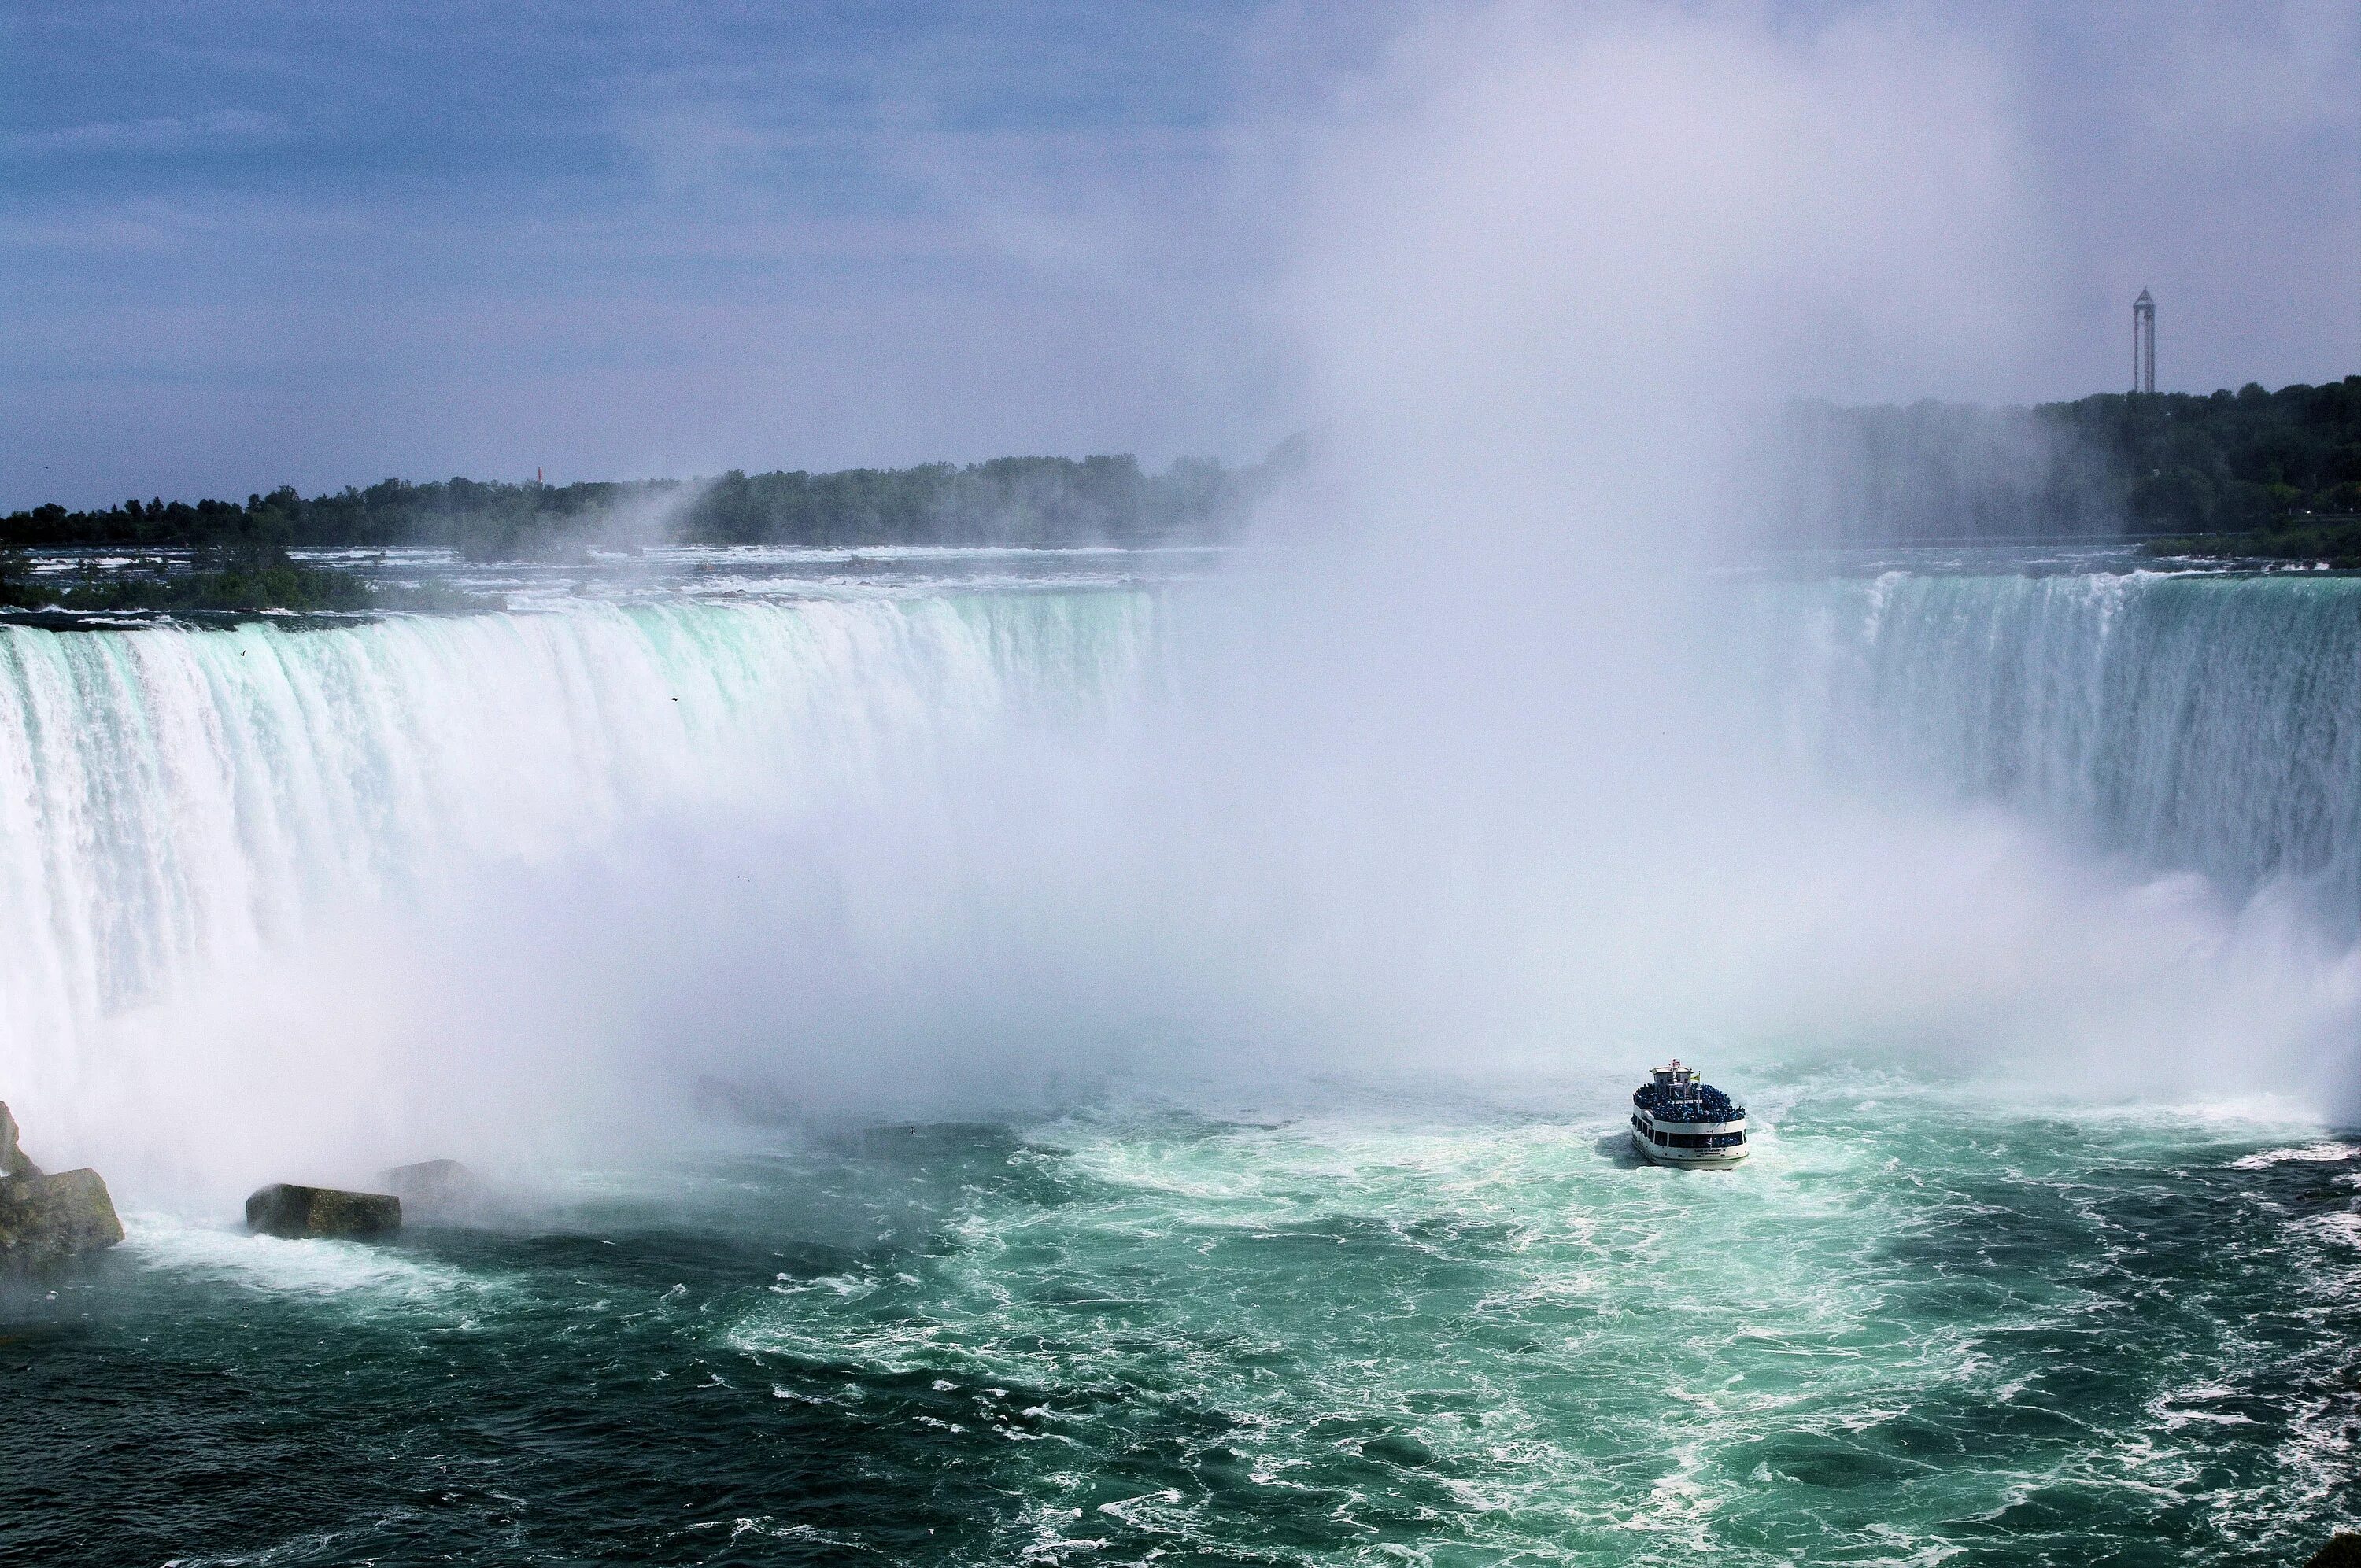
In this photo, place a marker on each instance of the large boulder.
(47, 1220)
(430, 1179)
(296, 1212)
(2343, 1551)
(436, 1190)
(13, 1163)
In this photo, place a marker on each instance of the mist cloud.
(1458, 773)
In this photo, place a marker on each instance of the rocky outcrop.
(2343, 1551)
(296, 1212)
(13, 1163)
(49, 1219)
(436, 1190)
(430, 1180)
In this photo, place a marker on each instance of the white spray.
(1462, 770)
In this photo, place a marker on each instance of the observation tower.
(2144, 342)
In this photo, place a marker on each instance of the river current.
(1298, 1318)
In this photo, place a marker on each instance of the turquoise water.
(1933, 1318)
(1920, 1325)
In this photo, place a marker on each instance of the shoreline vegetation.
(2332, 541)
(1044, 502)
(2108, 466)
(2246, 474)
(254, 580)
(239, 561)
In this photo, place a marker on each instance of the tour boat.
(1678, 1118)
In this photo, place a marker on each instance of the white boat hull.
(1656, 1156)
(1676, 1143)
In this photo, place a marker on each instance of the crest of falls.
(2196, 723)
(186, 813)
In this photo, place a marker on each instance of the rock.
(295, 1213)
(2343, 1551)
(436, 1188)
(13, 1163)
(47, 1220)
(429, 1178)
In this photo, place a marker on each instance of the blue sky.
(244, 243)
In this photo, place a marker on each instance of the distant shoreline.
(2109, 468)
(2332, 541)
(1009, 501)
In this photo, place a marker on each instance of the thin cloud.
(161, 133)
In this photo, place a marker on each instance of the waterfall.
(2189, 723)
(171, 799)
(885, 841)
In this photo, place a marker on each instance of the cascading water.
(1335, 1323)
(2200, 723)
(175, 801)
(178, 803)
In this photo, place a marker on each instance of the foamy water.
(1916, 1325)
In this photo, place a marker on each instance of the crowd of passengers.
(1711, 1105)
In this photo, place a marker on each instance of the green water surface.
(1920, 1325)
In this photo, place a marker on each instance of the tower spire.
(2144, 342)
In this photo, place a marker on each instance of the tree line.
(2230, 461)
(2099, 466)
(242, 580)
(1005, 501)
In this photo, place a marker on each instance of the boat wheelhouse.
(1678, 1118)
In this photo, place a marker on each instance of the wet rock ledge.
(49, 1219)
(283, 1208)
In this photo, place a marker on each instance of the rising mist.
(1457, 770)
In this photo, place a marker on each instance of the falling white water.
(179, 805)
(329, 892)
(2199, 724)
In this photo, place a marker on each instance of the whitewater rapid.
(1919, 1326)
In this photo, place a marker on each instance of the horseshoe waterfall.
(835, 1120)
